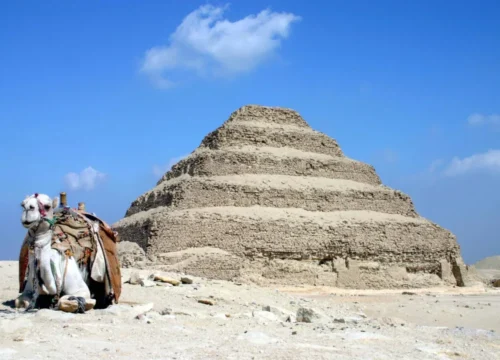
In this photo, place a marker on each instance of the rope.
(81, 304)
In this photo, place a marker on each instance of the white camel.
(50, 272)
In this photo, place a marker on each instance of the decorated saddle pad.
(73, 236)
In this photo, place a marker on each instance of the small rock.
(167, 280)
(408, 293)
(307, 315)
(294, 332)
(186, 280)
(206, 302)
(135, 278)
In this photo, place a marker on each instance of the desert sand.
(155, 320)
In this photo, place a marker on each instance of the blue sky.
(97, 98)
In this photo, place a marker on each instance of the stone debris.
(307, 315)
(186, 280)
(167, 280)
(130, 254)
(136, 278)
(206, 302)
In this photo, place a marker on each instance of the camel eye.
(47, 207)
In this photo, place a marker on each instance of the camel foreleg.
(27, 299)
(77, 296)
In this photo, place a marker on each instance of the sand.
(439, 323)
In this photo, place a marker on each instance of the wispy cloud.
(487, 161)
(477, 119)
(87, 179)
(160, 170)
(207, 43)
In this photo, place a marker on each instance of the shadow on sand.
(9, 303)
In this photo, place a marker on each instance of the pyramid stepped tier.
(268, 115)
(309, 193)
(267, 199)
(297, 233)
(273, 161)
(375, 240)
(273, 135)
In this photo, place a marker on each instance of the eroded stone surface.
(272, 201)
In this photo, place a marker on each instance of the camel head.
(36, 208)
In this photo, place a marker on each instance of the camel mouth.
(28, 224)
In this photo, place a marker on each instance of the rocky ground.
(209, 319)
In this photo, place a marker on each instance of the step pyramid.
(265, 198)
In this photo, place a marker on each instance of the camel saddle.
(89, 240)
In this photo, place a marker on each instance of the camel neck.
(41, 238)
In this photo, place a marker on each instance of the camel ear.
(55, 202)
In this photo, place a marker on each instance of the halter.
(43, 213)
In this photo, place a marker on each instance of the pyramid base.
(213, 263)
(348, 249)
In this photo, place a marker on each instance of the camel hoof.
(21, 303)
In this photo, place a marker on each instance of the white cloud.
(482, 119)
(207, 43)
(161, 170)
(488, 161)
(87, 179)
